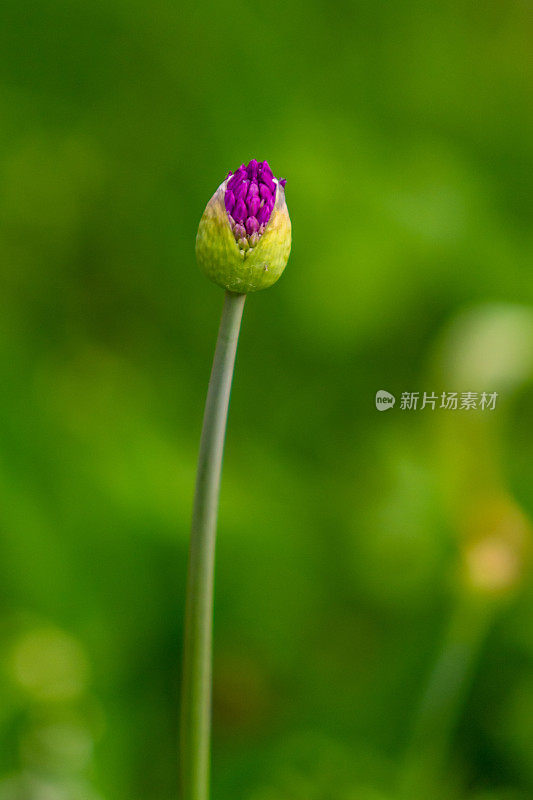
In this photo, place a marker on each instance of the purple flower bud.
(263, 215)
(253, 204)
(265, 193)
(236, 179)
(269, 184)
(264, 171)
(252, 225)
(230, 201)
(240, 211)
(242, 190)
(244, 236)
(282, 182)
(239, 231)
(250, 198)
(252, 168)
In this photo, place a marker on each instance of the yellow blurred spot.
(489, 348)
(49, 664)
(495, 555)
(492, 565)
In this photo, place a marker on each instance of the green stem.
(197, 658)
(424, 770)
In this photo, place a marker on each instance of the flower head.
(244, 237)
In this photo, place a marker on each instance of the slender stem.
(196, 681)
(424, 770)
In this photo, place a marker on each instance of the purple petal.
(240, 211)
(252, 168)
(265, 171)
(241, 190)
(253, 189)
(282, 182)
(263, 215)
(265, 193)
(236, 179)
(252, 225)
(269, 183)
(253, 204)
(229, 200)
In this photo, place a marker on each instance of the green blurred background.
(374, 617)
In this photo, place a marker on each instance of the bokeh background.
(374, 612)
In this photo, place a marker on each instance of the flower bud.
(244, 237)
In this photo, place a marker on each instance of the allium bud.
(244, 237)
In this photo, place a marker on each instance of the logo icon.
(384, 400)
